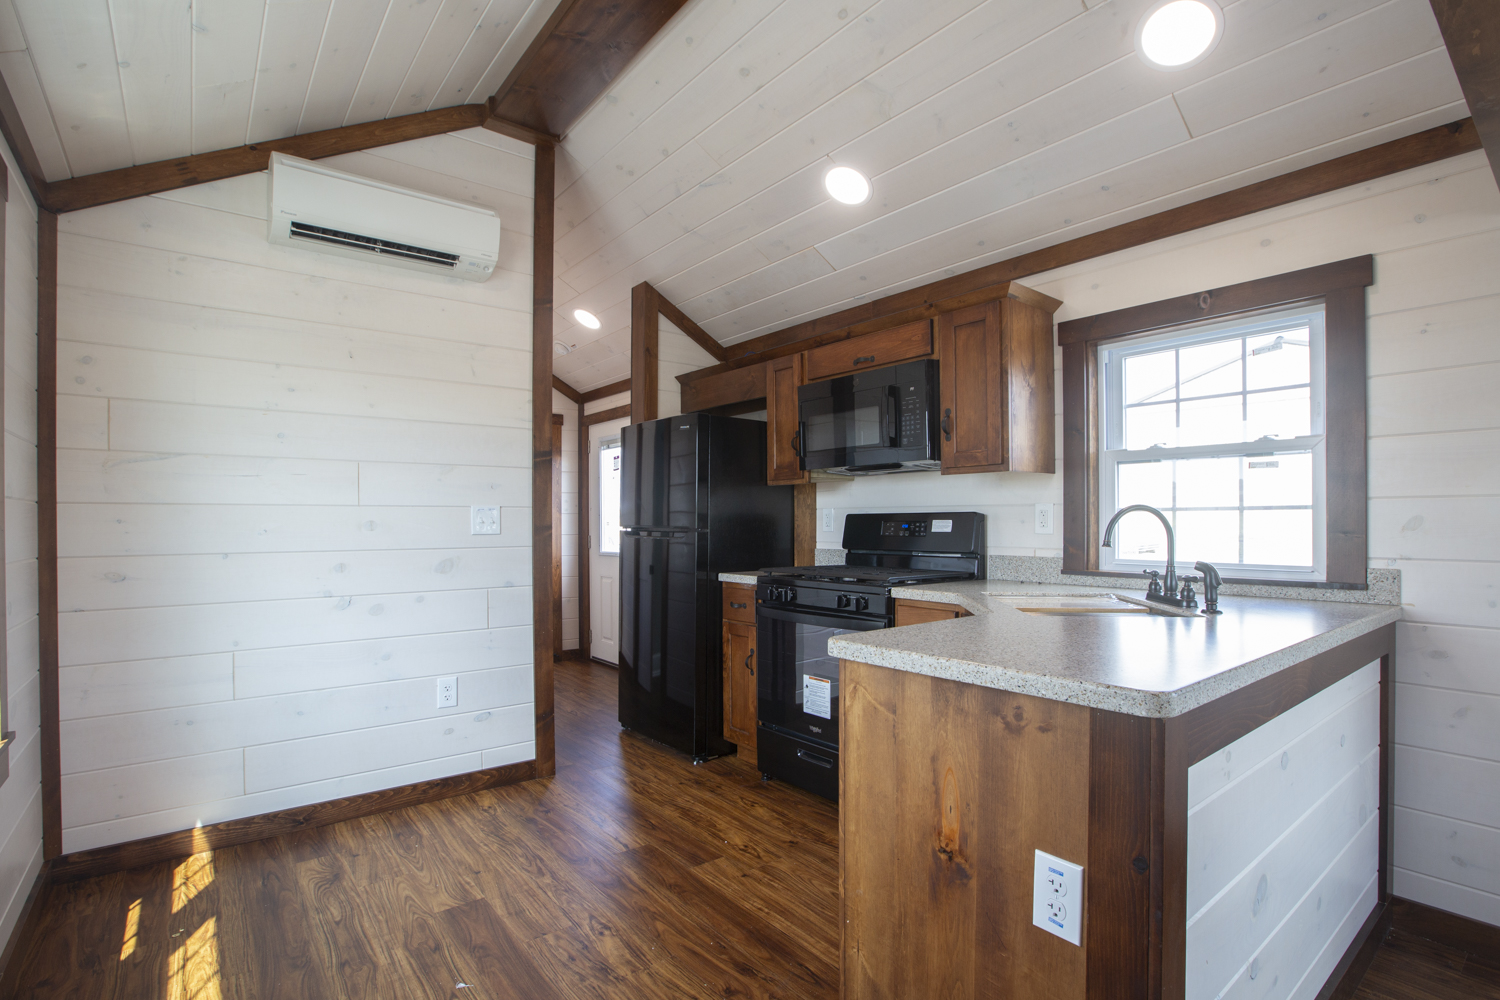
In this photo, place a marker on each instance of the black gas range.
(799, 608)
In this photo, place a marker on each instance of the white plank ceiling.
(988, 127)
(102, 84)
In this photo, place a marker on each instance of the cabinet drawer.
(873, 350)
(739, 603)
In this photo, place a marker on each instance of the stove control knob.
(861, 604)
(843, 601)
(791, 594)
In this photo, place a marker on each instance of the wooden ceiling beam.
(605, 391)
(695, 333)
(584, 46)
(1355, 168)
(566, 389)
(1471, 30)
(169, 175)
(20, 144)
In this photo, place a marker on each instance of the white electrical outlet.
(1057, 897)
(1044, 519)
(447, 692)
(484, 520)
(827, 520)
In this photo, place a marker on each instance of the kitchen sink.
(1061, 605)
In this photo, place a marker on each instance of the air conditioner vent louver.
(302, 231)
(319, 209)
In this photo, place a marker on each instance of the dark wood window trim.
(1340, 287)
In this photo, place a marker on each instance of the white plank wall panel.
(154, 46)
(21, 794)
(677, 354)
(348, 35)
(1268, 816)
(266, 463)
(1434, 496)
(568, 529)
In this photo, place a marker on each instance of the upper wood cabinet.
(997, 395)
(873, 350)
(783, 434)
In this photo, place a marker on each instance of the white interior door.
(604, 539)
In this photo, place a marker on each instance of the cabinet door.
(973, 390)
(784, 437)
(873, 350)
(739, 684)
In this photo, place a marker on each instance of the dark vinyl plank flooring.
(631, 874)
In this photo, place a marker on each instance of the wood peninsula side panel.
(940, 813)
(910, 612)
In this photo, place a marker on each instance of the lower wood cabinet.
(739, 684)
(909, 612)
(740, 666)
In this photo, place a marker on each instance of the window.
(1220, 427)
(609, 497)
(1239, 413)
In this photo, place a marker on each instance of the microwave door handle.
(892, 417)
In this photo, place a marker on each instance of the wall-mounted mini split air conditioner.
(318, 208)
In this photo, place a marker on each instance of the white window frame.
(1111, 358)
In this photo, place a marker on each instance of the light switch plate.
(1057, 897)
(484, 520)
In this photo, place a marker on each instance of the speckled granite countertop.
(1143, 665)
(749, 577)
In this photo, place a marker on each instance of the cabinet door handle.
(747, 663)
(947, 425)
(797, 442)
(864, 360)
(734, 605)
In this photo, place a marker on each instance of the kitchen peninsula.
(1220, 780)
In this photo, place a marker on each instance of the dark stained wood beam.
(940, 296)
(613, 413)
(696, 333)
(566, 389)
(46, 531)
(1471, 30)
(497, 124)
(579, 52)
(20, 143)
(541, 459)
(645, 325)
(168, 175)
(605, 391)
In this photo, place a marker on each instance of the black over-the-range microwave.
(871, 422)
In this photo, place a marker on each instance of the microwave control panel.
(913, 417)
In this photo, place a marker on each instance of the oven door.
(842, 425)
(798, 682)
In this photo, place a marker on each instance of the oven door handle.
(821, 616)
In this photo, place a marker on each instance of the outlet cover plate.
(447, 692)
(484, 520)
(1057, 897)
(1044, 519)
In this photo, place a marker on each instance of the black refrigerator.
(693, 503)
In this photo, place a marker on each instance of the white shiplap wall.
(676, 354)
(266, 461)
(21, 795)
(1434, 482)
(569, 526)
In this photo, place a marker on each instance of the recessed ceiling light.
(1175, 34)
(847, 185)
(587, 318)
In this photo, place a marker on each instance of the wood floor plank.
(501, 966)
